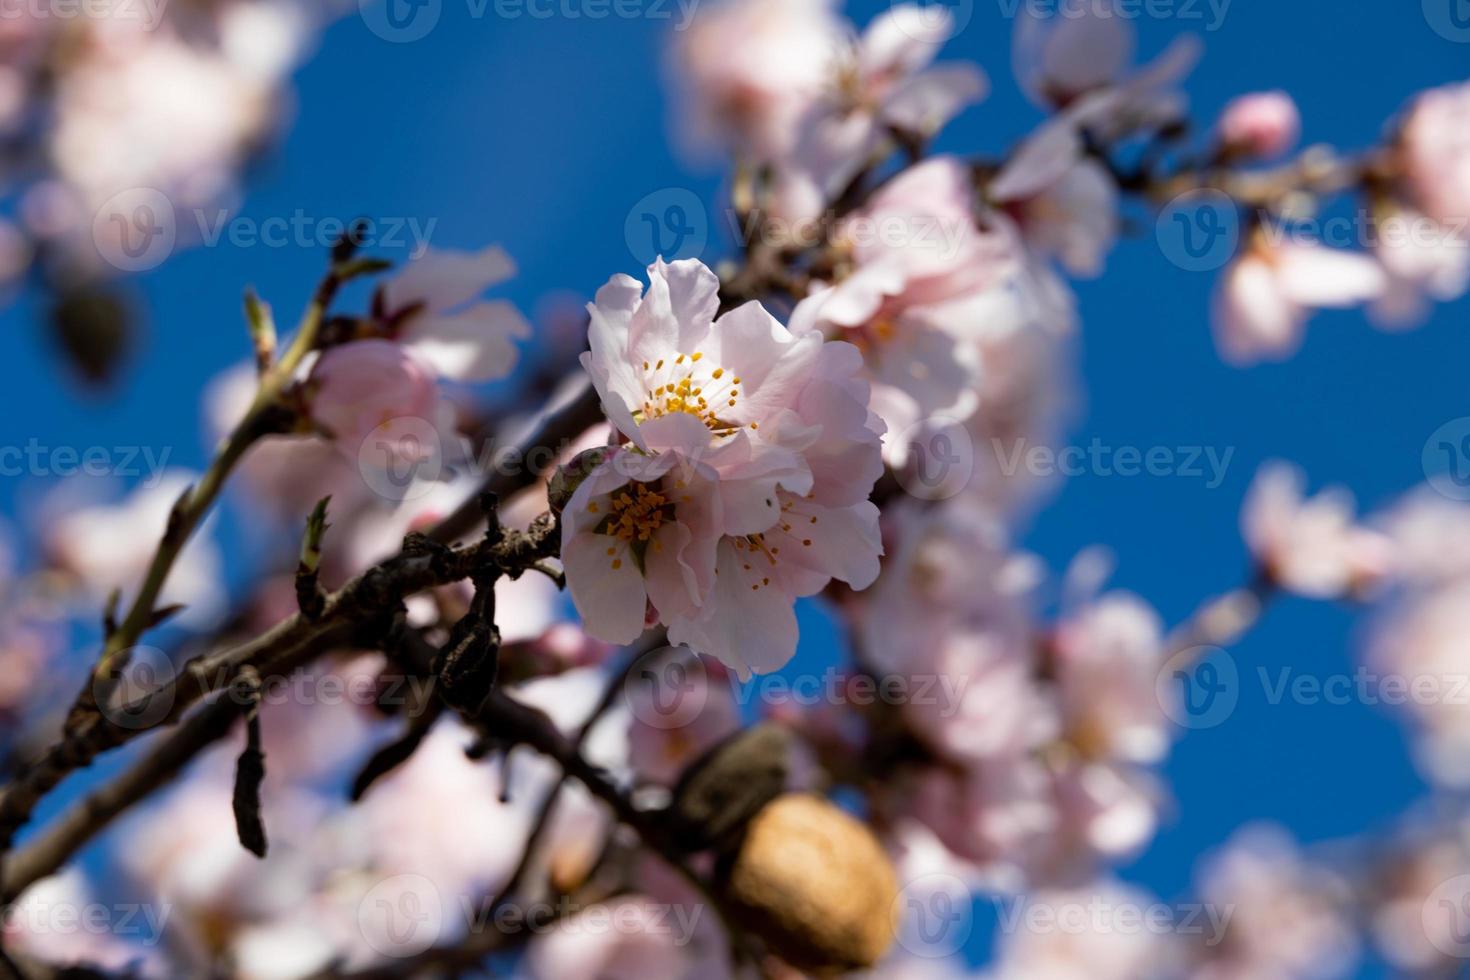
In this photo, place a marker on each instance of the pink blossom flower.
(1422, 261)
(746, 482)
(1267, 294)
(1420, 640)
(46, 922)
(1311, 547)
(1408, 938)
(1106, 659)
(1079, 934)
(949, 616)
(1079, 60)
(886, 82)
(440, 319)
(108, 546)
(1288, 917)
(1065, 207)
(752, 68)
(660, 749)
(636, 936)
(1434, 146)
(374, 389)
(921, 268)
(1262, 124)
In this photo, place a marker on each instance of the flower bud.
(1263, 124)
(569, 476)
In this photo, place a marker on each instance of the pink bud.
(1263, 124)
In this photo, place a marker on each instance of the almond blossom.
(1080, 62)
(1265, 297)
(374, 390)
(1066, 204)
(1312, 546)
(1434, 153)
(1289, 917)
(752, 69)
(437, 314)
(744, 484)
(883, 84)
(920, 266)
(1085, 933)
(1422, 261)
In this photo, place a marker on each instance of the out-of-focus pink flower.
(48, 921)
(752, 68)
(1423, 260)
(747, 482)
(1106, 659)
(1067, 208)
(631, 936)
(1434, 146)
(886, 82)
(949, 618)
(1408, 937)
(1085, 933)
(920, 268)
(444, 323)
(1312, 547)
(660, 750)
(1266, 295)
(374, 389)
(1288, 917)
(1262, 124)
(1422, 642)
(1079, 60)
(110, 546)
(1431, 539)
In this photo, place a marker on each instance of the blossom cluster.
(769, 438)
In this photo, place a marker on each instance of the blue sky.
(542, 133)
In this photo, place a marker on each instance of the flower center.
(685, 385)
(636, 515)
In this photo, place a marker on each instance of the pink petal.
(473, 345)
(443, 280)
